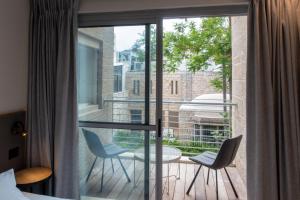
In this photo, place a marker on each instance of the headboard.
(12, 143)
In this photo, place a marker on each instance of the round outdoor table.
(169, 155)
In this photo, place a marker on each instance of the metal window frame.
(146, 127)
(147, 17)
(143, 17)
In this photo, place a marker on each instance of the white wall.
(128, 5)
(13, 54)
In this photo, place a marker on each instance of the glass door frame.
(148, 17)
(146, 126)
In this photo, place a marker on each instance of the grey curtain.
(273, 100)
(52, 106)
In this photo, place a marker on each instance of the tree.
(139, 46)
(201, 46)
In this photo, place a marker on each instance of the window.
(151, 89)
(136, 87)
(136, 116)
(208, 133)
(118, 78)
(89, 67)
(173, 119)
(138, 66)
(174, 87)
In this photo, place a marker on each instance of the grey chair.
(217, 161)
(103, 151)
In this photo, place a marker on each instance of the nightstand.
(27, 178)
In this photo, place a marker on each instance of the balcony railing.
(192, 127)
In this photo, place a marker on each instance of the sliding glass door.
(119, 111)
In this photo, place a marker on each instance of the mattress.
(40, 197)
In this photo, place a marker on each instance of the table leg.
(178, 170)
(168, 177)
(44, 187)
(133, 172)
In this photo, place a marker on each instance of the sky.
(125, 36)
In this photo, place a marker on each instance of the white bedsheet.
(32, 196)
(40, 197)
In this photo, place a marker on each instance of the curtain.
(273, 100)
(52, 105)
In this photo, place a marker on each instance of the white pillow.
(8, 189)
(8, 178)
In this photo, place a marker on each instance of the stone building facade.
(180, 86)
(239, 63)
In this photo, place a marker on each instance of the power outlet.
(13, 153)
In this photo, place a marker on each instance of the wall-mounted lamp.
(18, 128)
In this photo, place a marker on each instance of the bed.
(39, 197)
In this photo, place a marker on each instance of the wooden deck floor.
(117, 187)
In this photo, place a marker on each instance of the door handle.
(159, 128)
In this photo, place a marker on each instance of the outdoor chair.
(217, 161)
(103, 151)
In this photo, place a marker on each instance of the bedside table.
(27, 178)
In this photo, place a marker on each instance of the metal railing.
(192, 127)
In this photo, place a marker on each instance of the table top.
(32, 175)
(170, 154)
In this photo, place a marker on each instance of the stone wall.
(239, 60)
(92, 37)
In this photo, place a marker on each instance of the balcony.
(117, 187)
(190, 126)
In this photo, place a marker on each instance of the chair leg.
(112, 165)
(90, 172)
(217, 192)
(192, 183)
(102, 174)
(207, 181)
(124, 169)
(236, 195)
(134, 172)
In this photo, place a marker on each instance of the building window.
(118, 78)
(151, 87)
(136, 116)
(137, 66)
(173, 119)
(136, 87)
(208, 133)
(174, 87)
(89, 68)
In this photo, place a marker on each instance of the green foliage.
(134, 140)
(191, 148)
(129, 139)
(200, 46)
